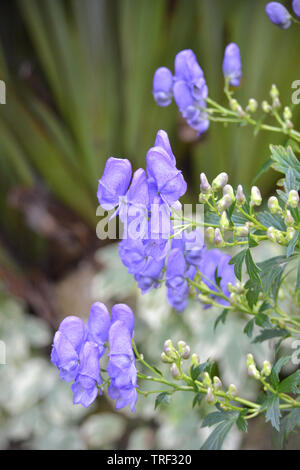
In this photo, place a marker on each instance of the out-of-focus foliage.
(81, 91)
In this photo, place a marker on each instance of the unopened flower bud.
(224, 203)
(204, 299)
(250, 360)
(232, 391)
(217, 383)
(218, 239)
(241, 231)
(205, 187)
(240, 196)
(220, 181)
(293, 199)
(276, 103)
(203, 198)
(256, 199)
(290, 232)
(273, 205)
(174, 371)
(195, 360)
(228, 189)
(267, 368)
(233, 299)
(271, 234)
(252, 106)
(287, 113)
(210, 233)
(224, 222)
(280, 237)
(165, 358)
(266, 107)
(206, 379)
(253, 372)
(169, 350)
(184, 349)
(289, 124)
(274, 92)
(234, 105)
(240, 112)
(289, 219)
(209, 397)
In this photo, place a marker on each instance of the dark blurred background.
(79, 89)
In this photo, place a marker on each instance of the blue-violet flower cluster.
(77, 350)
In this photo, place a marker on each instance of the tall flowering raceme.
(156, 253)
(77, 350)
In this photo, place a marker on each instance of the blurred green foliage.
(94, 62)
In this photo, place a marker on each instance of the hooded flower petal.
(114, 182)
(162, 86)
(98, 325)
(232, 65)
(121, 312)
(278, 14)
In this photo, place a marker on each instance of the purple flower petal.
(114, 182)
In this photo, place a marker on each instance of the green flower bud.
(232, 391)
(253, 372)
(234, 299)
(220, 181)
(267, 368)
(169, 350)
(210, 233)
(209, 397)
(287, 113)
(266, 107)
(228, 189)
(224, 222)
(273, 205)
(204, 299)
(289, 219)
(290, 232)
(280, 238)
(195, 360)
(206, 379)
(203, 198)
(252, 105)
(289, 124)
(274, 92)
(165, 358)
(184, 349)
(250, 360)
(175, 371)
(205, 187)
(271, 234)
(224, 203)
(218, 239)
(234, 105)
(241, 231)
(240, 112)
(293, 199)
(256, 198)
(240, 196)
(217, 383)
(276, 103)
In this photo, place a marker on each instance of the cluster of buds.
(252, 369)
(235, 106)
(279, 237)
(214, 236)
(173, 356)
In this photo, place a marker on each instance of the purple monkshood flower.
(278, 14)
(77, 350)
(216, 264)
(192, 245)
(176, 274)
(188, 87)
(121, 367)
(296, 7)
(232, 66)
(162, 86)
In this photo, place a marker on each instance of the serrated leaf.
(274, 376)
(221, 318)
(196, 371)
(237, 261)
(198, 399)
(248, 330)
(270, 334)
(253, 290)
(290, 384)
(163, 397)
(252, 268)
(216, 439)
(273, 411)
(242, 424)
